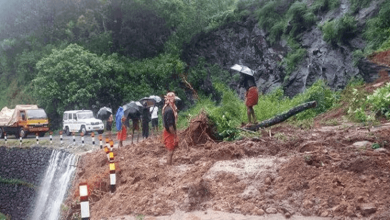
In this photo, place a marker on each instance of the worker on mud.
(154, 112)
(135, 127)
(109, 126)
(169, 113)
(122, 134)
(145, 120)
(251, 96)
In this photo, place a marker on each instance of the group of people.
(170, 116)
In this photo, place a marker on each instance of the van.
(81, 121)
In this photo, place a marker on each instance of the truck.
(81, 121)
(23, 120)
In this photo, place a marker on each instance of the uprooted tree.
(282, 117)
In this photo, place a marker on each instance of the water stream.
(54, 186)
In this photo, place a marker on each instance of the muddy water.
(214, 215)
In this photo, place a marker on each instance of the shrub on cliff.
(324, 5)
(339, 30)
(377, 32)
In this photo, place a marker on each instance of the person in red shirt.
(169, 113)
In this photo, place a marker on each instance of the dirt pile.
(318, 172)
(381, 58)
(199, 131)
(340, 171)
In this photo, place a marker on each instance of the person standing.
(169, 112)
(154, 112)
(251, 96)
(145, 121)
(135, 122)
(122, 134)
(109, 126)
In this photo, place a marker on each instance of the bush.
(355, 98)
(227, 116)
(292, 59)
(386, 45)
(299, 18)
(380, 101)
(356, 5)
(378, 29)
(357, 55)
(276, 31)
(268, 15)
(323, 95)
(339, 30)
(324, 5)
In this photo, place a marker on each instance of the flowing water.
(54, 186)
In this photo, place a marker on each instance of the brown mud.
(317, 172)
(324, 171)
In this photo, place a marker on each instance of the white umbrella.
(157, 98)
(242, 69)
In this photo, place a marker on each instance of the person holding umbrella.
(122, 134)
(169, 112)
(252, 94)
(145, 120)
(154, 112)
(109, 125)
(135, 127)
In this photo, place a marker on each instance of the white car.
(81, 121)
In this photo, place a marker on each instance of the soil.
(325, 171)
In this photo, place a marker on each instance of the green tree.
(74, 78)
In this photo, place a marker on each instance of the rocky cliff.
(245, 42)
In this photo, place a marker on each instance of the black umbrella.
(104, 113)
(149, 102)
(132, 110)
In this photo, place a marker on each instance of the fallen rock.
(307, 204)
(257, 211)
(381, 150)
(362, 144)
(324, 214)
(367, 208)
(268, 181)
(271, 210)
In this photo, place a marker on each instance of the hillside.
(71, 54)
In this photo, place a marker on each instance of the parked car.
(81, 121)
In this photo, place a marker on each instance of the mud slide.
(323, 172)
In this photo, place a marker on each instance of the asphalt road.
(75, 146)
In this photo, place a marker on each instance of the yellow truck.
(23, 120)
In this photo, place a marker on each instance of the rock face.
(245, 42)
(27, 165)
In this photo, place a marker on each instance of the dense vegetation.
(86, 54)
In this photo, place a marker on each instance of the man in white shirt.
(154, 112)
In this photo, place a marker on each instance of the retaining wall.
(28, 165)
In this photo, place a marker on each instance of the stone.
(362, 144)
(268, 181)
(367, 208)
(258, 211)
(307, 204)
(271, 210)
(381, 150)
(324, 214)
